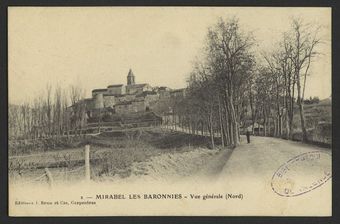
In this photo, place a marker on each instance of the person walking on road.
(248, 134)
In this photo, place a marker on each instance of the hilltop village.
(132, 98)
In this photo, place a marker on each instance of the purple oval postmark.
(302, 174)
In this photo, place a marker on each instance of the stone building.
(138, 88)
(97, 91)
(178, 93)
(109, 100)
(116, 89)
(130, 107)
(164, 92)
(130, 98)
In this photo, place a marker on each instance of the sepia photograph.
(169, 111)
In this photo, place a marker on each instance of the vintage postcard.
(169, 111)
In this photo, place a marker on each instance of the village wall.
(125, 98)
(109, 101)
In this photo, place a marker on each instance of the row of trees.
(229, 87)
(47, 115)
(216, 96)
(289, 66)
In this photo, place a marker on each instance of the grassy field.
(112, 154)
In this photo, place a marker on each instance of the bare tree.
(232, 62)
(219, 80)
(304, 39)
(77, 117)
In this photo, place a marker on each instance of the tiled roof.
(145, 93)
(177, 90)
(116, 85)
(99, 90)
(163, 88)
(138, 85)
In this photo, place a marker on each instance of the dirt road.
(264, 155)
(260, 159)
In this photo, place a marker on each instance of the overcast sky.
(95, 47)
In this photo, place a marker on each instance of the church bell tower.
(130, 78)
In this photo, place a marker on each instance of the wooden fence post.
(87, 163)
(49, 178)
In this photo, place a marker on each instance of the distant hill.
(326, 102)
(315, 113)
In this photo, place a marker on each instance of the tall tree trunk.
(234, 126)
(264, 122)
(221, 122)
(226, 125)
(302, 116)
(280, 122)
(211, 130)
(287, 124)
